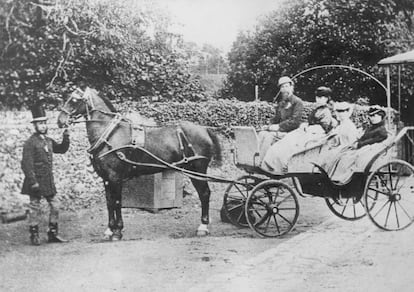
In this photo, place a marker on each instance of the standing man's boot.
(34, 235)
(52, 234)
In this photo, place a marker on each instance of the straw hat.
(283, 80)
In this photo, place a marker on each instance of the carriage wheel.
(346, 208)
(235, 198)
(272, 208)
(389, 195)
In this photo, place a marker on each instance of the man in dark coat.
(37, 165)
(288, 116)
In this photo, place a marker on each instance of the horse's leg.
(113, 203)
(111, 213)
(119, 222)
(203, 191)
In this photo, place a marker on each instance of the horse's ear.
(78, 93)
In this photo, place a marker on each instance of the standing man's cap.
(283, 80)
(38, 112)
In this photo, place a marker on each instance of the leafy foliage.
(304, 34)
(123, 48)
(206, 59)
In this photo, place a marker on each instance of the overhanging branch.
(8, 30)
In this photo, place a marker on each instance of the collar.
(321, 106)
(286, 100)
(40, 136)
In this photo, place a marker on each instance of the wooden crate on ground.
(154, 192)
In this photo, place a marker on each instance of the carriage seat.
(246, 148)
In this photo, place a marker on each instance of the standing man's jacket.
(288, 114)
(37, 164)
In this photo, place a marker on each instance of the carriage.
(382, 188)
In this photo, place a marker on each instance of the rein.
(166, 165)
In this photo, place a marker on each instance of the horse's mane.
(106, 100)
(109, 104)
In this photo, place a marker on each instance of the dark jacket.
(37, 164)
(322, 116)
(374, 134)
(288, 114)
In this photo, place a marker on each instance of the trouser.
(36, 212)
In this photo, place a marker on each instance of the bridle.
(87, 100)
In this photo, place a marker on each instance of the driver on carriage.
(288, 115)
(320, 122)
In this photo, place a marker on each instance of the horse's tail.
(216, 146)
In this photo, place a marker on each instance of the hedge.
(223, 114)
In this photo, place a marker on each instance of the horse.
(116, 157)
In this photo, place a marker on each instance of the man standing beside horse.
(37, 165)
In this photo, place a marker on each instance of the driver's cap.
(283, 80)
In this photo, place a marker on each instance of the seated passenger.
(288, 114)
(356, 157)
(346, 131)
(322, 115)
(320, 122)
(345, 134)
(376, 132)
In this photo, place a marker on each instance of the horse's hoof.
(107, 237)
(202, 230)
(117, 235)
(108, 234)
(202, 233)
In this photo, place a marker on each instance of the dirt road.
(161, 253)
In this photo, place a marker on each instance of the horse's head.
(75, 107)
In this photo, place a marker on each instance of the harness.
(188, 152)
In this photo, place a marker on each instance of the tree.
(123, 48)
(206, 59)
(304, 34)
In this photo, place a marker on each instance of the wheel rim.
(235, 198)
(346, 208)
(272, 209)
(389, 196)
